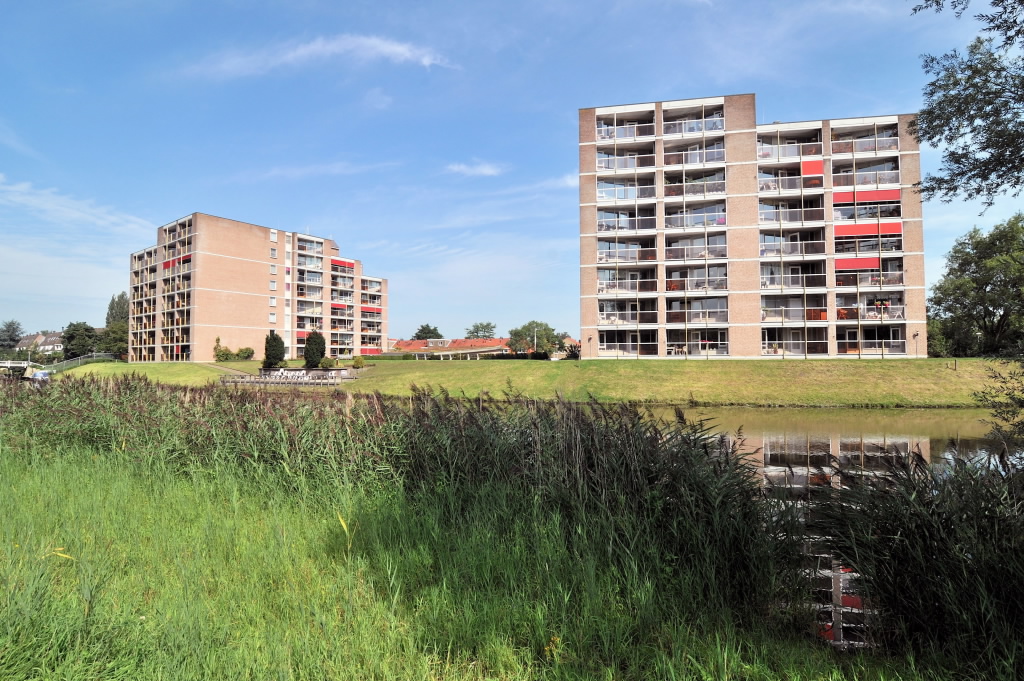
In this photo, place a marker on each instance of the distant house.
(30, 342)
(51, 343)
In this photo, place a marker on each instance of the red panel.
(857, 263)
(842, 197)
(856, 230)
(167, 264)
(300, 334)
(812, 168)
(343, 263)
(338, 306)
(186, 257)
(370, 351)
(371, 309)
(879, 195)
(891, 228)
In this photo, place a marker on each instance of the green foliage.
(114, 339)
(283, 364)
(572, 351)
(408, 355)
(117, 309)
(79, 339)
(328, 363)
(316, 348)
(978, 304)
(426, 332)
(10, 333)
(358, 362)
(481, 330)
(273, 350)
(245, 353)
(535, 336)
(1004, 398)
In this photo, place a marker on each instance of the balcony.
(863, 179)
(677, 158)
(781, 315)
(624, 132)
(680, 220)
(794, 347)
(781, 248)
(698, 189)
(627, 286)
(792, 281)
(791, 215)
(776, 152)
(626, 193)
(687, 127)
(625, 162)
(347, 300)
(627, 255)
(697, 284)
(628, 317)
(696, 252)
(626, 224)
(872, 313)
(342, 282)
(867, 212)
(310, 247)
(869, 278)
(867, 145)
(868, 245)
(698, 348)
(873, 347)
(310, 279)
(768, 185)
(308, 263)
(697, 317)
(374, 316)
(372, 286)
(644, 349)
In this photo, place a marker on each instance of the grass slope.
(177, 373)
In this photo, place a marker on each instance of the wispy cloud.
(357, 48)
(311, 170)
(377, 99)
(475, 169)
(13, 141)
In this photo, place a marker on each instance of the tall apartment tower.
(706, 235)
(209, 278)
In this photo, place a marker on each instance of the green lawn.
(823, 383)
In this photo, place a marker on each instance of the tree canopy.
(534, 336)
(977, 306)
(117, 309)
(79, 339)
(114, 338)
(426, 332)
(481, 330)
(974, 107)
(273, 350)
(315, 349)
(10, 333)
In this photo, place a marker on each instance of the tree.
(978, 304)
(974, 106)
(480, 330)
(114, 338)
(534, 336)
(10, 333)
(315, 349)
(79, 339)
(273, 350)
(117, 309)
(426, 332)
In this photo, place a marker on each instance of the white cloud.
(359, 48)
(476, 169)
(377, 99)
(311, 170)
(11, 140)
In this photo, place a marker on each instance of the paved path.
(227, 370)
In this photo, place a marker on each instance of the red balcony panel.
(364, 308)
(891, 228)
(186, 258)
(856, 230)
(300, 334)
(812, 167)
(866, 195)
(858, 263)
(339, 306)
(370, 351)
(342, 263)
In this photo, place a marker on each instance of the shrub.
(315, 349)
(223, 354)
(358, 362)
(572, 351)
(408, 355)
(273, 351)
(283, 364)
(245, 353)
(328, 363)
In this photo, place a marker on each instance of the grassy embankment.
(823, 383)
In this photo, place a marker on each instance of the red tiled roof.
(452, 345)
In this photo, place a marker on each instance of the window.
(273, 301)
(273, 269)
(273, 252)
(273, 236)
(273, 318)
(273, 285)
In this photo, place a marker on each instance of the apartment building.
(705, 235)
(209, 277)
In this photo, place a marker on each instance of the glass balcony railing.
(625, 162)
(872, 312)
(627, 255)
(867, 212)
(794, 314)
(712, 124)
(771, 152)
(627, 131)
(872, 144)
(695, 188)
(678, 158)
(625, 224)
(626, 193)
(628, 348)
(794, 347)
(697, 316)
(861, 179)
(697, 348)
(306, 247)
(779, 248)
(792, 280)
(628, 317)
(694, 219)
(873, 347)
(869, 245)
(869, 278)
(627, 286)
(696, 252)
(697, 284)
(791, 215)
(789, 184)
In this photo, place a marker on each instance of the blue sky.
(436, 142)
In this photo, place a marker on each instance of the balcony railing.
(628, 317)
(789, 184)
(791, 215)
(697, 317)
(626, 193)
(317, 249)
(628, 131)
(628, 348)
(626, 224)
(310, 279)
(342, 282)
(627, 255)
(778, 248)
(621, 162)
(794, 314)
(873, 347)
(349, 300)
(696, 252)
(678, 158)
(695, 188)
(694, 219)
(310, 296)
(869, 278)
(866, 145)
(866, 212)
(793, 347)
(336, 326)
(872, 313)
(699, 125)
(869, 245)
(697, 284)
(771, 152)
(861, 179)
(697, 348)
(627, 285)
(372, 286)
(792, 280)
(375, 316)
(309, 263)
